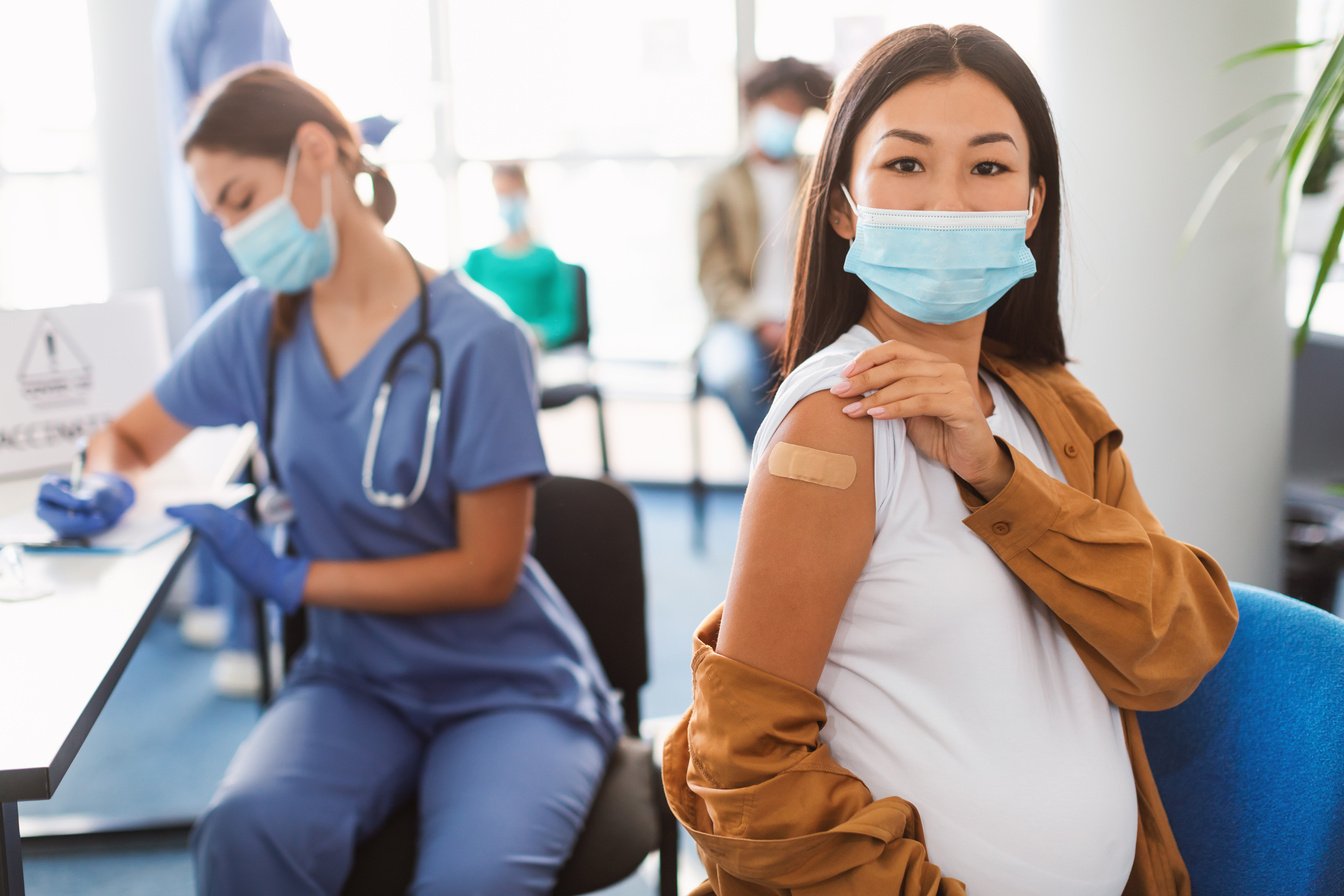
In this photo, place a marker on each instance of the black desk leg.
(11, 858)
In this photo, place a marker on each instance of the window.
(49, 202)
(620, 111)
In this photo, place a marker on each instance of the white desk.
(61, 655)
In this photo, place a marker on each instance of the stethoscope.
(273, 504)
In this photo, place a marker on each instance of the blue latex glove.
(94, 507)
(232, 540)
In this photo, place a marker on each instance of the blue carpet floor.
(165, 738)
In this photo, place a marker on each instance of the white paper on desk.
(143, 525)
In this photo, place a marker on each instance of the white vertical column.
(130, 156)
(1190, 354)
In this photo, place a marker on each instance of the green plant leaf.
(1286, 46)
(1219, 181)
(1313, 126)
(1319, 109)
(1237, 122)
(1329, 255)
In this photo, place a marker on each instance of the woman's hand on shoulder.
(806, 532)
(940, 407)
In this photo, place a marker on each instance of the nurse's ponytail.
(257, 111)
(384, 196)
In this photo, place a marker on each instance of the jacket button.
(1002, 528)
(1070, 450)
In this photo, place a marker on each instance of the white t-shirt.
(772, 273)
(951, 685)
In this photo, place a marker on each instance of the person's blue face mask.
(513, 211)
(272, 244)
(774, 131)
(939, 267)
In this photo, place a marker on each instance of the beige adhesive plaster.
(799, 462)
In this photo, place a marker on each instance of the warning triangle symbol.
(50, 352)
(53, 368)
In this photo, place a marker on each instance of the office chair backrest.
(587, 540)
(1251, 767)
(582, 329)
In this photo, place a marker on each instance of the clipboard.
(143, 526)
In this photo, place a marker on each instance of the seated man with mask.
(745, 235)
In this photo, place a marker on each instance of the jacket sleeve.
(1148, 615)
(770, 809)
(726, 288)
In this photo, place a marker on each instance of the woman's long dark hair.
(257, 111)
(827, 301)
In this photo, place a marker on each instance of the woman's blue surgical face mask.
(272, 244)
(774, 131)
(513, 211)
(939, 267)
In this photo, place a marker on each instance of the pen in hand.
(77, 465)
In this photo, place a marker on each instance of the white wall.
(131, 154)
(1190, 354)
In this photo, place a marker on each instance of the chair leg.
(263, 638)
(668, 837)
(602, 433)
(699, 490)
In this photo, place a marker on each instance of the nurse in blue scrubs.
(441, 663)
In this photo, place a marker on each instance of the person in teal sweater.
(528, 276)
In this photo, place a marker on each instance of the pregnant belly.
(1008, 814)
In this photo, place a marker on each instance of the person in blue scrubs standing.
(197, 42)
(441, 662)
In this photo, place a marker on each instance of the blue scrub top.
(197, 43)
(530, 652)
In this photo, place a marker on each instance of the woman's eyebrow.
(992, 138)
(224, 191)
(902, 134)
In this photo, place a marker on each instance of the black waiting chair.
(587, 540)
(561, 394)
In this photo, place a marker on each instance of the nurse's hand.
(92, 508)
(940, 406)
(234, 543)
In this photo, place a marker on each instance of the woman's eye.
(906, 166)
(245, 203)
(988, 168)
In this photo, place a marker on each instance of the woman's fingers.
(898, 391)
(890, 350)
(925, 404)
(894, 371)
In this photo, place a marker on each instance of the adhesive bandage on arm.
(789, 461)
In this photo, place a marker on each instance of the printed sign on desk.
(64, 372)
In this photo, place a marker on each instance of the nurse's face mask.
(272, 244)
(939, 267)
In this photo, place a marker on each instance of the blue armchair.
(1251, 767)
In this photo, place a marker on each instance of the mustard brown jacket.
(771, 810)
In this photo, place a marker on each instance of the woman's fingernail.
(850, 408)
(840, 388)
(877, 412)
(849, 368)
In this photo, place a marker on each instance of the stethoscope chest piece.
(274, 506)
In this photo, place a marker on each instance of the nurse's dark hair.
(257, 111)
(827, 301)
